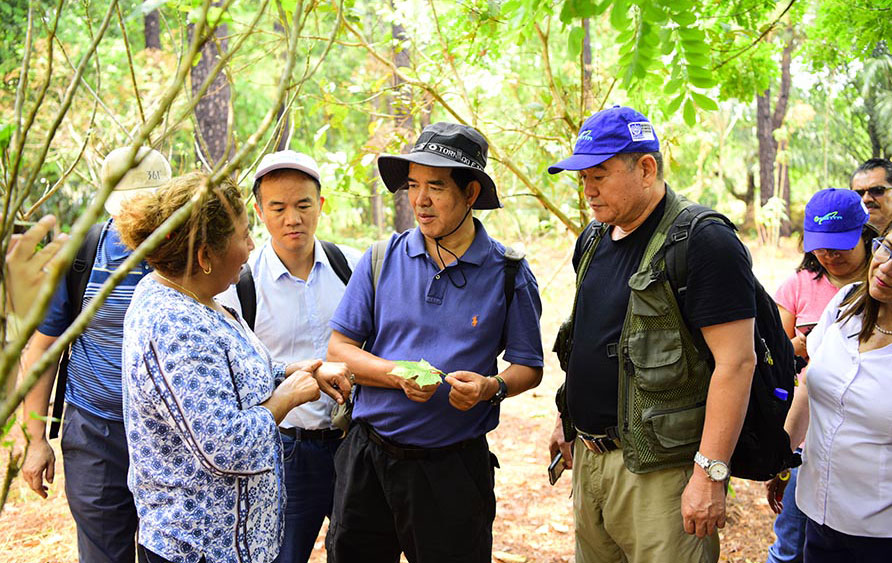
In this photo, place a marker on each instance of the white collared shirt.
(292, 317)
(846, 477)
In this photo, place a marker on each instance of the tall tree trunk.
(151, 25)
(767, 122)
(212, 110)
(587, 97)
(282, 131)
(401, 109)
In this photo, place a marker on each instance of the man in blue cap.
(638, 399)
(415, 474)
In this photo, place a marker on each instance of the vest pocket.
(648, 296)
(656, 355)
(668, 429)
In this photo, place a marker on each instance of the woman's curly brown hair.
(211, 222)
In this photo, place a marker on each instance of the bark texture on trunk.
(404, 125)
(212, 111)
(151, 25)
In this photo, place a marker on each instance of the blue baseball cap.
(833, 219)
(607, 134)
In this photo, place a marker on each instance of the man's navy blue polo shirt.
(418, 313)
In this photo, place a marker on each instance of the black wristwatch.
(501, 393)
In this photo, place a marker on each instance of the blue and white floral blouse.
(205, 459)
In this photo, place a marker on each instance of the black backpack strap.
(76, 280)
(675, 249)
(512, 264)
(337, 260)
(247, 296)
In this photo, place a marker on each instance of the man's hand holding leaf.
(469, 388)
(418, 380)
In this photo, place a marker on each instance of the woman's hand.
(298, 388)
(775, 491)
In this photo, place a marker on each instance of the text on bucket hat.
(444, 145)
(288, 159)
(833, 219)
(607, 134)
(149, 171)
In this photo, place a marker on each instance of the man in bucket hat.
(636, 397)
(415, 474)
(94, 446)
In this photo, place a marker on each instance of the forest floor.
(534, 521)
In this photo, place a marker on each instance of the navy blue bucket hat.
(607, 134)
(444, 145)
(833, 219)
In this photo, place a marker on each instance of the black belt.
(400, 451)
(321, 435)
(602, 443)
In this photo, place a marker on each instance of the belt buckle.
(595, 444)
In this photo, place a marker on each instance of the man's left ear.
(473, 192)
(648, 169)
(321, 203)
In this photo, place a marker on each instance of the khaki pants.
(629, 518)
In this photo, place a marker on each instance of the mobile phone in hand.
(805, 328)
(556, 468)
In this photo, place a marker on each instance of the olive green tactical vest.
(663, 378)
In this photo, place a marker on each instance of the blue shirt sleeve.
(57, 316)
(523, 343)
(355, 315)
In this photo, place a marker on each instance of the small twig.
(142, 115)
(758, 39)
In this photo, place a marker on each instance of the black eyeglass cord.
(458, 267)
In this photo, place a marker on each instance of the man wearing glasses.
(871, 181)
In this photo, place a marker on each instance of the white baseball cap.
(149, 171)
(288, 159)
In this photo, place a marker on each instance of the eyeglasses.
(874, 191)
(831, 252)
(881, 251)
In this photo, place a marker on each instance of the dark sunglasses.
(874, 191)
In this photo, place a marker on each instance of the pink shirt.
(805, 296)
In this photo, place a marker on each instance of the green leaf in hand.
(422, 372)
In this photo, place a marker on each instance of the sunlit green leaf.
(704, 102)
(574, 42)
(422, 372)
(619, 15)
(690, 115)
(675, 104)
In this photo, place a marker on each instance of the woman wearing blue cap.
(837, 243)
(845, 411)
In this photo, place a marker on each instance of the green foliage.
(422, 372)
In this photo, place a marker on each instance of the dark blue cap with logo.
(833, 219)
(607, 134)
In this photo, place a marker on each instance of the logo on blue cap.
(832, 216)
(585, 135)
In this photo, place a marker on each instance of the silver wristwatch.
(716, 470)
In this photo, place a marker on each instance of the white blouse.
(846, 477)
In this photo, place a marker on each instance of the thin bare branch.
(142, 115)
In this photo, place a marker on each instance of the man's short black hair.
(630, 158)
(462, 177)
(279, 174)
(871, 164)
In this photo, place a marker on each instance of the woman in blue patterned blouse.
(202, 398)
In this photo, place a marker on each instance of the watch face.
(718, 471)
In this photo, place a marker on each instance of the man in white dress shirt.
(298, 282)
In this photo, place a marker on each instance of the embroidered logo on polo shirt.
(641, 131)
(474, 321)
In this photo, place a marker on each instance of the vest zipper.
(627, 387)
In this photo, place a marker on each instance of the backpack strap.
(512, 264)
(337, 260)
(76, 280)
(675, 248)
(379, 249)
(247, 296)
